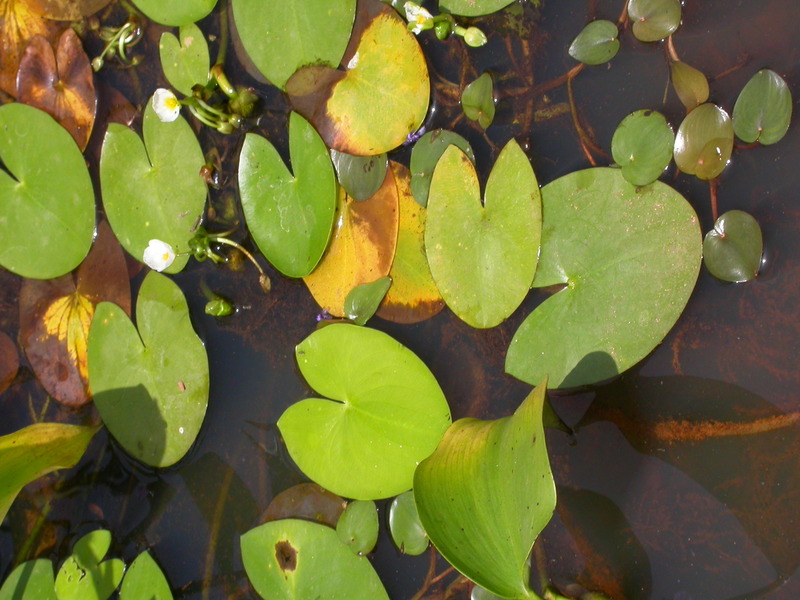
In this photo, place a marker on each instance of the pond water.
(681, 479)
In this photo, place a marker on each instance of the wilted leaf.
(477, 100)
(690, 84)
(306, 501)
(426, 153)
(9, 361)
(732, 250)
(185, 61)
(642, 146)
(596, 44)
(763, 109)
(654, 20)
(704, 142)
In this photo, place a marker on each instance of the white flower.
(418, 18)
(166, 105)
(158, 255)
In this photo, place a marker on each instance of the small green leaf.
(642, 146)
(598, 43)
(144, 580)
(92, 547)
(426, 153)
(654, 20)
(472, 8)
(363, 300)
(732, 250)
(407, 531)
(32, 580)
(186, 62)
(690, 84)
(477, 100)
(358, 526)
(704, 142)
(763, 109)
(84, 575)
(486, 494)
(360, 176)
(174, 13)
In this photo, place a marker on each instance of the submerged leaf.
(763, 109)
(704, 142)
(477, 100)
(306, 501)
(732, 250)
(598, 43)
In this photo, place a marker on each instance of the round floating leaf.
(477, 100)
(426, 153)
(280, 38)
(628, 258)
(174, 13)
(298, 560)
(144, 579)
(598, 43)
(32, 580)
(9, 361)
(360, 176)
(358, 526)
(483, 256)
(289, 215)
(84, 575)
(763, 109)
(486, 494)
(704, 142)
(185, 62)
(732, 250)
(690, 84)
(654, 20)
(363, 300)
(153, 190)
(150, 385)
(306, 501)
(387, 413)
(642, 146)
(47, 213)
(472, 8)
(404, 525)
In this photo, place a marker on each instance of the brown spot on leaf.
(286, 556)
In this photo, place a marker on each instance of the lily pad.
(150, 385)
(32, 580)
(363, 300)
(732, 250)
(85, 575)
(360, 176)
(477, 100)
(144, 579)
(185, 61)
(654, 20)
(297, 560)
(283, 37)
(483, 256)
(642, 146)
(704, 142)
(596, 44)
(486, 494)
(426, 153)
(289, 215)
(358, 526)
(628, 259)
(763, 109)
(175, 14)
(690, 84)
(472, 8)
(47, 212)
(153, 189)
(407, 531)
(387, 413)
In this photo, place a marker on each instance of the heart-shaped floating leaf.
(407, 531)
(387, 413)
(36, 450)
(472, 8)
(283, 37)
(477, 100)
(704, 142)
(732, 250)
(150, 385)
(358, 526)
(60, 83)
(9, 361)
(47, 212)
(289, 216)
(363, 300)
(32, 580)
(85, 575)
(596, 44)
(145, 579)
(20, 21)
(426, 153)
(628, 258)
(153, 190)
(690, 84)
(483, 257)
(297, 560)
(360, 176)
(763, 109)
(379, 99)
(173, 13)
(486, 494)
(185, 61)
(642, 146)
(654, 20)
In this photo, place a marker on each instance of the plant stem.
(224, 35)
(712, 188)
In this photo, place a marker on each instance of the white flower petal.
(417, 16)
(166, 105)
(158, 255)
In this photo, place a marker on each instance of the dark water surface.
(682, 480)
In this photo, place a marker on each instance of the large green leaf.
(642, 146)
(763, 109)
(175, 13)
(292, 559)
(153, 189)
(185, 61)
(472, 8)
(84, 574)
(36, 450)
(284, 36)
(486, 494)
(704, 142)
(47, 213)
(32, 580)
(387, 413)
(144, 580)
(150, 385)
(628, 259)
(483, 257)
(289, 216)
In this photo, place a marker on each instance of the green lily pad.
(32, 580)
(477, 100)
(387, 413)
(36, 450)
(628, 259)
(472, 8)
(85, 575)
(185, 61)
(292, 559)
(483, 256)
(150, 385)
(654, 20)
(144, 580)
(486, 494)
(690, 84)
(426, 153)
(358, 526)
(289, 216)
(598, 43)
(405, 527)
(282, 37)
(763, 109)
(732, 250)
(704, 142)
(153, 190)
(360, 176)
(47, 213)
(642, 146)
(175, 14)
(363, 300)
